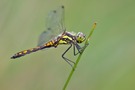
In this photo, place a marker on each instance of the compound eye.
(80, 37)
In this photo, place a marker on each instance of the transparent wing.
(54, 25)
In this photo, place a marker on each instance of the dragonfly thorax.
(80, 37)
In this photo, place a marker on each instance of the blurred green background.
(107, 64)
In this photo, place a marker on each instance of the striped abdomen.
(24, 52)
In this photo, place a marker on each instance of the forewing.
(54, 25)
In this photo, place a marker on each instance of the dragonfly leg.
(66, 59)
(78, 48)
(75, 50)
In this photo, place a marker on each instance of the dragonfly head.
(80, 37)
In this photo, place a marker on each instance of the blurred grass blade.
(78, 59)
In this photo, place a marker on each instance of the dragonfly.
(56, 34)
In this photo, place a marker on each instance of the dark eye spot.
(54, 11)
(62, 6)
(49, 28)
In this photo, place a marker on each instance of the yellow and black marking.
(65, 40)
(24, 52)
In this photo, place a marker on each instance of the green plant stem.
(78, 59)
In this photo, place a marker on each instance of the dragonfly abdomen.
(24, 52)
